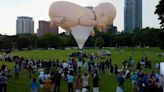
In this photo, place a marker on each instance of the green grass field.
(107, 83)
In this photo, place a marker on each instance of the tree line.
(139, 37)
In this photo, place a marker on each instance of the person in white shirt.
(119, 89)
(79, 65)
(41, 79)
(69, 61)
(85, 82)
(161, 80)
(86, 66)
(157, 66)
(64, 64)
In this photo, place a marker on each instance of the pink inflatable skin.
(105, 14)
(67, 14)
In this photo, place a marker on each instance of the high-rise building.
(138, 14)
(132, 15)
(24, 25)
(44, 27)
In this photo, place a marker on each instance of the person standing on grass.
(30, 70)
(119, 89)
(78, 83)
(57, 80)
(111, 70)
(95, 82)
(116, 69)
(3, 83)
(34, 71)
(103, 68)
(120, 83)
(16, 72)
(79, 65)
(70, 79)
(134, 79)
(74, 65)
(41, 79)
(120, 80)
(34, 85)
(85, 82)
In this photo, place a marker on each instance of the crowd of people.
(51, 72)
(141, 81)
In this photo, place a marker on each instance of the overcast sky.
(38, 9)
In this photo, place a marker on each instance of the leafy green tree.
(90, 42)
(99, 42)
(161, 37)
(6, 42)
(71, 41)
(64, 41)
(160, 12)
(146, 37)
(23, 42)
(49, 40)
(107, 39)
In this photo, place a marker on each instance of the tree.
(90, 42)
(23, 42)
(99, 42)
(49, 40)
(6, 42)
(71, 41)
(107, 39)
(160, 12)
(64, 41)
(161, 37)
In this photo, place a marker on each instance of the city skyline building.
(44, 27)
(24, 25)
(112, 28)
(132, 15)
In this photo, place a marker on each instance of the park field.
(107, 83)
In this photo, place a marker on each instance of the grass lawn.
(107, 83)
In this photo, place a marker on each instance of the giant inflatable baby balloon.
(79, 20)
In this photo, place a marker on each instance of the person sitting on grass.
(34, 85)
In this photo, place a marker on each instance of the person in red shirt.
(78, 83)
